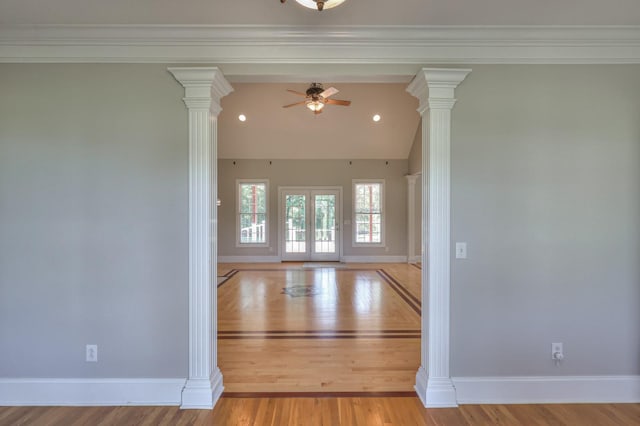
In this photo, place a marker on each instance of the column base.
(202, 394)
(435, 392)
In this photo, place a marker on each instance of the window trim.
(383, 216)
(266, 216)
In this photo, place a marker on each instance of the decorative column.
(411, 217)
(204, 87)
(434, 88)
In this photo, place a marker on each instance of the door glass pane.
(325, 224)
(295, 224)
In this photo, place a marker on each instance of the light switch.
(461, 250)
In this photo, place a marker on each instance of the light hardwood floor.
(327, 411)
(291, 328)
(334, 341)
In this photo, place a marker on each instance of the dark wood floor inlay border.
(404, 294)
(320, 334)
(318, 394)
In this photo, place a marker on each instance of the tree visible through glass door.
(310, 219)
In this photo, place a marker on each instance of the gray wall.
(315, 173)
(415, 166)
(546, 191)
(93, 221)
(415, 154)
(418, 217)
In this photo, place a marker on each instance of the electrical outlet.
(461, 250)
(92, 353)
(557, 353)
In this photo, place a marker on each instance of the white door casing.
(434, 88)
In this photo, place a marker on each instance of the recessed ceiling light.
(242, 117)
(376, 118)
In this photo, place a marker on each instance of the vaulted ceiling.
(339, 132)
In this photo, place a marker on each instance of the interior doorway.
(310, 221)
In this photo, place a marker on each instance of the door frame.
(434, 88)
(310, 189)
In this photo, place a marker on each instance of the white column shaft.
(439, 244)
(199, 247)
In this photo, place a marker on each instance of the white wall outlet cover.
(557, 352)
(461, 250)
(92, 353)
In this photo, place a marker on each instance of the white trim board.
(377, 44)
(248, 259)
(373, 259)
(90, 392)
(547, 389)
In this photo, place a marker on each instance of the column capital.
(203, 87)
(432, 84)
(411, 179)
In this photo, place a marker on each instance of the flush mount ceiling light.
(318, 4)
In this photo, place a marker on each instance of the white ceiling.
(353, 12)
(339, 132)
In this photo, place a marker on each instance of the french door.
(310, 223)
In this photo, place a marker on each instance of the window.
(368, 211)
(252, 212)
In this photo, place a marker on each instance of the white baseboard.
(248, 259)
(374, 259)
(435, 393)
(90, 392)
(415, 259)
(552, 389)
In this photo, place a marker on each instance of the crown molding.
(259, 44)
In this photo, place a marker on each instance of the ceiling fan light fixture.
(315, 106)
(320, 4)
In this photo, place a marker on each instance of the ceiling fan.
(316, 97)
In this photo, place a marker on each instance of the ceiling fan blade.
(338, 102)
(297, 103)
(329, 92)
(297, 93)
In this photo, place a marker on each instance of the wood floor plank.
(357, 331)
(368, 411)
